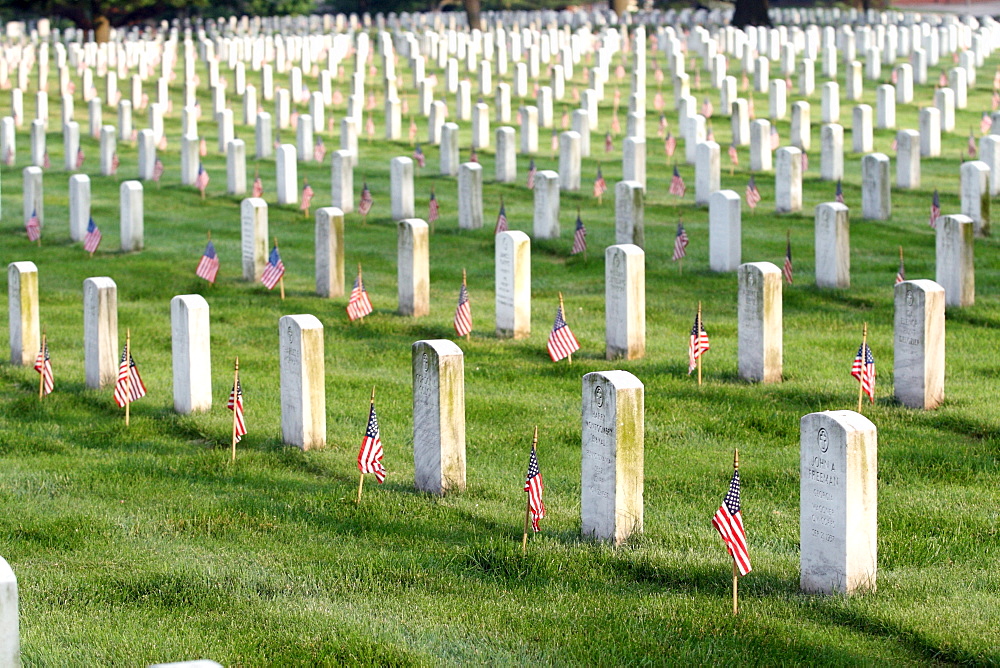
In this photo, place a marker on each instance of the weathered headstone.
(132, 216)
(506, 155)
(236, 167)
(876, 196)
(724, 231)
(470, 196)
(569, 161)
(79, 206)
(759, 325)
(908, 159)
(975, 189)
(288, 174)
(833, 246)
(706, 173)
(788, 180)
(630, 225)
(449, 159)
(100, 332)
(838, 502)
(253, 233)
(930, 132)
(760, 146)
(303, 390)
(611, 504)
(831, 166)
(438, 416)
(413, 267)
(862, 137)
(22, 300)
(401, 188)
(329, 252)
(919, 344)
(191, 354)
(10, 634)
(342, 180)
(955, 270)
(33, 194)
(546, 218)
(513, 284)
(624, 302)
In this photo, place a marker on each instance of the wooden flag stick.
(527, 512)
(698, 343)
(236, 383)
(563, 310)
(128, 373)
(861, 385)
(362, 318)
(468, 335)
(281, 281)
(736, 572)
(900, 256)
(361, 480)
(41, 373)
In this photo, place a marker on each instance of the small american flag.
(33, 227)
(202, 147)
(307, 196)
(900, 273)
(365, 205)
(579, 237)
(697, 342)
(670, 145)
(413, 130)
(752, 194)
(775, 139)
(115, 163)
(370, 127)
(157, 170)
(565, 120)
(609, 143)
(358, 306)
(433, 209)
(235, 404)
(501, 225)
(46, 163)
(677, 186)
(943, 80)
(293, 120)
(616, 125)
(43, 365)
(786, 270)
(710, 135)
(258, 187)
(561, 342)
(463, 314)
(201, 181)
(555, 141)
(371, 102)
(680, 242)
(473, 156)
(370, 455)
(706, 108)
(319, 150)
(972, 145)
(895, 144)
(935, 210)
(840, 193)
(663, 126)
(864, 370)
(93, 238)
(996, 102)
(534, 487)
(734, 157)
(162, 144)
(418, 155)
(805, 162)
(80, 157)
(273, 270)
(531, 174)
(985, 123)
(208, 266)
(600, 185)
(728, 521)
(129, 386)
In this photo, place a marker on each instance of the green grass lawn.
(143, 544)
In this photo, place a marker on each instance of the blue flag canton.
(732, 499)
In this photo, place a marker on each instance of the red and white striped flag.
(609, 143)
(534, 487)
(208, 265)
(680, 242)
(600, 185)
(706, 108)
(273, 270)
(463, 313)
(418, 155)
(43, 365)
(775, 139)
(80, 157)
(579, 237)
(157, 170)
(33, 227)
(370, 455)
(532, 170)
(201, 181)
(786, 269)
(501, 225)
(677, 186)
(235, 404)
(413, 130)
(752, 194)
(46, 163)
(115, 163)
(734, 157)
(561, 343)
(93, 238)
(698, 342)
(307, 196)
(935, 210)
(358, 305)
(433, 209)
(258, 186)
(985, 123)
(129, 386)
(202, 147)
(670, 145)
(319, 150)
(365, 204)
(728, 521)
(864, 370)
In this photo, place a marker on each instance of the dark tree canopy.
(751, 13)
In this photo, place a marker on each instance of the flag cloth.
(319, 150)
(697, 343)
(900, 274)
(128, 374)
(600, 185)
(273, 270)
(728, 521)
(115, 163)
(202, 147)
(370, 455)
(307, 196)
(805, 161)
(579, 237)
(208, 266)
(33, 227)
(734, 157)
(413, 130)
(985, 123)
(752, 194)
(531, 174)
(840, 193)
(706, 108)
(775, 139)
(418, 155)
(358, 305)
(46, 163)
(201, 181)
(670, 145)
(501, 225)
(972, 145)
(677, 186)
(157, 170)
(235, 404)
(258, 187)
(864, 370)
(433, 209)
(935, 210)
(93, 238)
(786, 270)
(609, 143)
(43, 365)
(534, 487)
(365, 205)
(80, 157)
(463, 314)
(561, 342)
(680, 242)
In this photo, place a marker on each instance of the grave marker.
(303, 392)
(438, 416)
(919, 344)
(191, 354)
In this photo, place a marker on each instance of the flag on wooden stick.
(728, 521)
(43, 365)
(463, 313)
(358, 304)
(501, 225)
(900, 274)
(562, 343)
(698, 343)
(534, 487)
(371, 453)
(208, 266)
(863, 369)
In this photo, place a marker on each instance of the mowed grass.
(143, 544)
